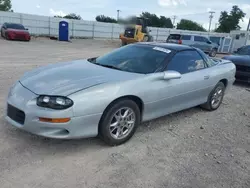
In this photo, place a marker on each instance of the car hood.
(239, 59)
(67, 78)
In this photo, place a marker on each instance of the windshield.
(134, 58)
(15, 26)
(244, 51)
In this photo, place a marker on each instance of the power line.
(210, 19)
(191, 14)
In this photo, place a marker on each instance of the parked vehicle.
(112, 94)
(196, 41)
(241, 58)
(13, 31)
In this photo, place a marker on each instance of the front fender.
(94, 100)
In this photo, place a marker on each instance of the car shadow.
(59, 145)
(242, 84)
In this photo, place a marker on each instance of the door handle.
(206, 77)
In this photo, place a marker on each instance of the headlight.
(54, 102)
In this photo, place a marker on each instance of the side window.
(186, 37)
(198, 39)
(186, 61)
(205, 39)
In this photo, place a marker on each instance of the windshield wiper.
(108, 66)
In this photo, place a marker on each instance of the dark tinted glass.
(186, 37)
(174, 37)
(215, 40)
(244, 50)
(199, 39)
(186, 61)
(15, 26)
(210, 61)
(134, 58)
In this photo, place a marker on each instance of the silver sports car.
(111, 95)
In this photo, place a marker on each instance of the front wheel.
(124, 43)
(119, 122)
(215, 98)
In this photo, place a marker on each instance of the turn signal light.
(54, 120)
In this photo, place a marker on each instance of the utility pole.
(210, 19)
(118, 15)
(174, 18)
(248, 26)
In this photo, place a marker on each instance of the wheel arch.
(134, 98)
(224, 81)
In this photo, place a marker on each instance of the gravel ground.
(189, 149)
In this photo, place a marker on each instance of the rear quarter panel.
(223, 71)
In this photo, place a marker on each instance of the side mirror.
(150, 30)
(209, 42)
(26, 29)
(169, 75)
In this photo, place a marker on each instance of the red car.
(13, 31)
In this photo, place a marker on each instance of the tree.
(102, 18)
(5, 5)
(228, 22)
(57, 16)
(155, 21)
(189, 25)
(73, 16)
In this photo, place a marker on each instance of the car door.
(192, 88)
(199, 42)
(177, 94)
(207, 45)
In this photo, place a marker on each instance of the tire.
(145, 39)
(213, 53)
(7, 36)
(124, 43)
(210, 105)
(109, 134)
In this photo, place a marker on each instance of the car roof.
(196, 35)
(10, 23)
(169, 46)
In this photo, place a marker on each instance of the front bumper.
(24, 37)
(78, 127)
(243, 76)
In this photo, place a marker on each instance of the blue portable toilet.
(63, 31)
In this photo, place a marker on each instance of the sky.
(196, 10)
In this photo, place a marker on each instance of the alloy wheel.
(122, 123)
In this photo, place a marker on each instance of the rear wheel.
(215, 98)
(145, 39)
(213, 52)
(119, 122)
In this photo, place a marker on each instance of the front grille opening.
(15, 114)
(242, 68)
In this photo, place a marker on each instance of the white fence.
(48, 26)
